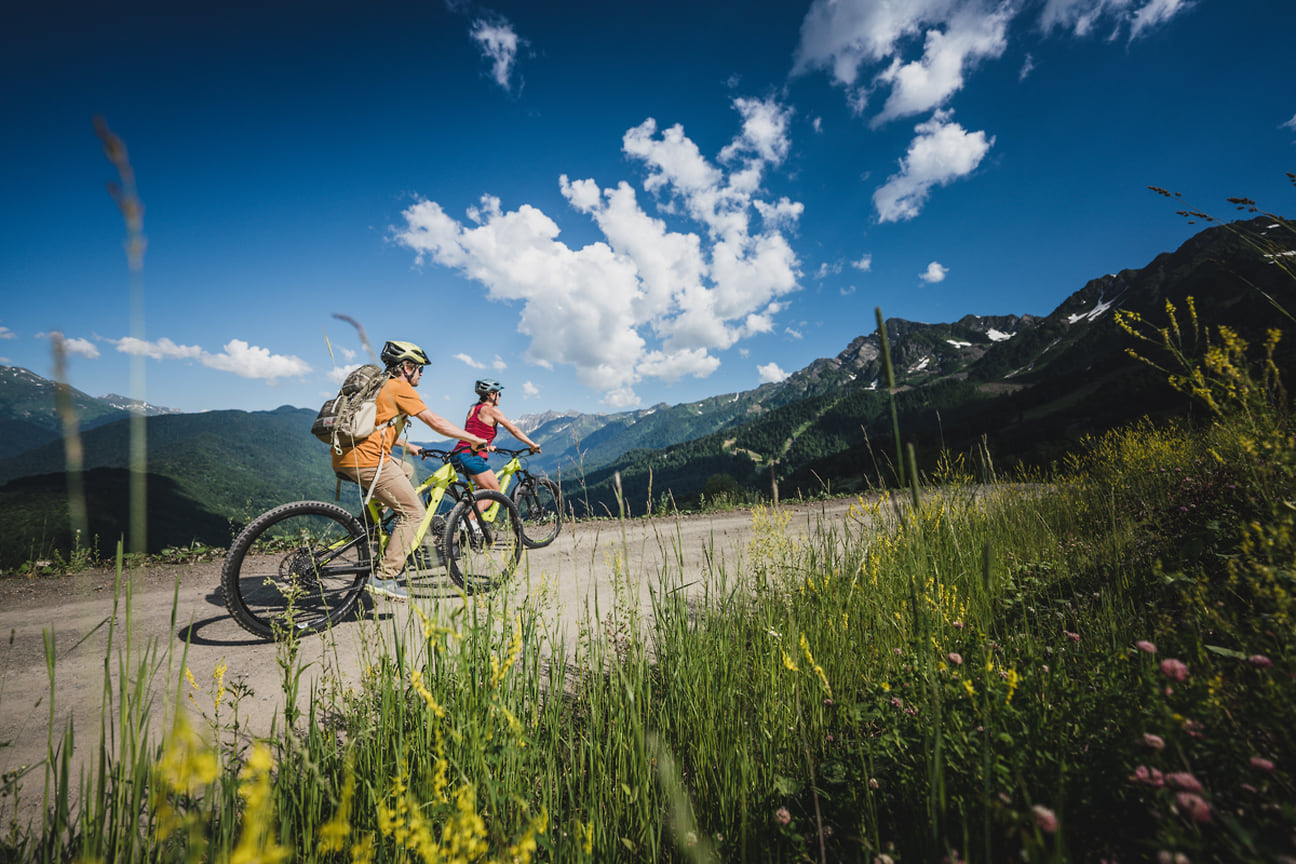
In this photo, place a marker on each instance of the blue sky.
(605, 206)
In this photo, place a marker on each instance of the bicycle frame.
(435, 487)
(504, 476)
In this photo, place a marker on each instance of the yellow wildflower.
(257, 843)
(1011, 677)
(218, 675)
(333, 833)
(416, 680)
(823, 679)
(498, 669)
(585, 833)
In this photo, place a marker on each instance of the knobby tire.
(486, 565)
(539, 504)
(300, 567)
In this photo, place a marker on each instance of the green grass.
(963, 681)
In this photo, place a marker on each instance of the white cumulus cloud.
(671, 367)
(251, 361)
(865, 263)
(81, 347)
(76, 346)
(770, 373)
(764, 135)
(499, 44)
(934, 273)
(942, 152)
(621, 398)
(237, 356)
(162, 349)
(6, 333)
(850, 39)
(646, 300)
(1290, 124)
(918, 55)
(469, 361)
(529, 390)
(970, 35)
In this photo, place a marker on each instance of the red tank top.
(476, 427)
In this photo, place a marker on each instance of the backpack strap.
(373, 484)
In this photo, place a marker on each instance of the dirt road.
(71, 618)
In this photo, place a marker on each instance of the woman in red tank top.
(484, 420)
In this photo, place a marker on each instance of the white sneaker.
(387, 588)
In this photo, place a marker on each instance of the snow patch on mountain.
(1093, 314)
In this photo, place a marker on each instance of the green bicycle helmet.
(395, 353)
(486, 386)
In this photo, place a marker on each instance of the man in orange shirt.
(371, 465)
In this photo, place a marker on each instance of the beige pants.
(394, 489)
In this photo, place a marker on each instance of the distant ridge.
(125, 403)
(1022, 388)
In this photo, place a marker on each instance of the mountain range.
(1008, 390)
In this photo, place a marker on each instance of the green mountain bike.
(301, 567)
(538, 499)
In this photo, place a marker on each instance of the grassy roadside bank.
(1097, 671)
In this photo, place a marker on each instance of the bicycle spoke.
(300, 566)
(540, 508)
(479, 562)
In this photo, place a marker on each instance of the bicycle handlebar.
(444, 455)
(525, 451)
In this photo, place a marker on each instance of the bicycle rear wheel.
(485, 562)
(298, 567)
(539, 504)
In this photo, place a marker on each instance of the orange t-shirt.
(396, 397)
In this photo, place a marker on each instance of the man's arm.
(448, 429)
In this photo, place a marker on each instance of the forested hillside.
(207, 472)
(1026, 400)
(998, 392)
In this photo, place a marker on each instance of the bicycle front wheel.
(299, 567)
(539, 504)
(480, 562)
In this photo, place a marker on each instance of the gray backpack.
(349, 417)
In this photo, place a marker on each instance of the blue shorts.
(467, 462)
